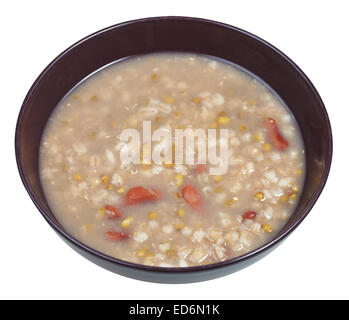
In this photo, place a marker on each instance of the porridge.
(169, 213)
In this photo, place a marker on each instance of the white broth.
(169, 214)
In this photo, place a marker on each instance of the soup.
(215, 168)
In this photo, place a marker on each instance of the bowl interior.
(177, 34)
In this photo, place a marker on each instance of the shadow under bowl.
(185, 35)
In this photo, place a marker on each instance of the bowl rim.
(170, 270)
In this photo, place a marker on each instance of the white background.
(312, 263)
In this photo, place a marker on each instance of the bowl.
(186, 35)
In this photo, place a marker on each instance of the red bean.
(115, 235)
(192, 197)
(250, 215)
(275, 137)
(113, 213)
(139, 194)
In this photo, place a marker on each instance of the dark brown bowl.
(188, 35)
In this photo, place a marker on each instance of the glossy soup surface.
(167, 214)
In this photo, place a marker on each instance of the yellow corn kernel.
(299, 171)
(217, 178)
(94, 98)
(170, 252)
(180, 213)
(283, 198)
(179, 226)
(213, 125)
(196, 100)
(229, 202)
(218, 190)
(179, 127)
(126, 222)
(169, 100)
(242, 128)
(250, 102)
(293, 195)
(109, 187)
(77, 177)
(142, 252)
(88, 227)
(152, 215)
(294, 188)
(257, 137)
(150, 254)
(266, 147)
(120, 190)
(100, 214)
(91, 135)
(177, 113)
(259, 196)
(154, 77)
(223, 120)
(178, 179)
(105, 179)
(267, 227)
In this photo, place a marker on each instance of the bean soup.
(164, 212)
